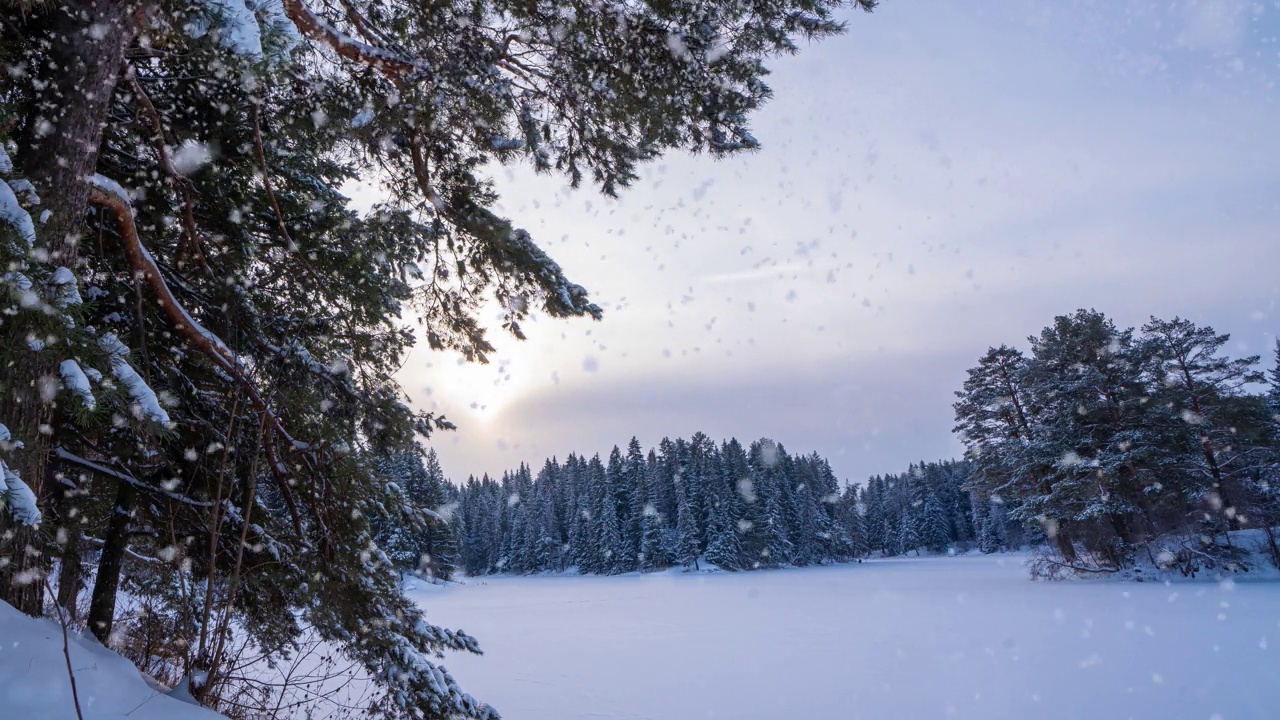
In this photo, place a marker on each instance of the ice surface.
(966, 637)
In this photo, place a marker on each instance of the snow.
(110, 187)
(12, 213)
(35, 682)
(190, 156)
(17, 498)
(24, 190)
(22, 285)
(6, 165)
(66, 292)
(77, 382)
(138, 388)
(963, 637)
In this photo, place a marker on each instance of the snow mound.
(35, 683)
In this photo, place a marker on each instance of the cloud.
(1217, 25)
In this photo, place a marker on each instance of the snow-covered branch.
(392, 64)
(109, 195)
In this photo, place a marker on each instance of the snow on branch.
(138, 388)
(64, 285)
(77, 382)
(12, 213)
(17, 496)
(67, 456)
(392, 64)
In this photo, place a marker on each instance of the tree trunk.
(79, 68)
(102, 606)
(1065, 547)
(1271, 542)
(71, 574)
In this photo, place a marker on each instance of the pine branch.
(203, 340)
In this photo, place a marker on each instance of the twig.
(1078, 568)
(175, 178)
(66, 648)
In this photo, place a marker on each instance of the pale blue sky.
(945, 177)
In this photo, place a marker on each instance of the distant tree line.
(694, 502)
(1126, 446)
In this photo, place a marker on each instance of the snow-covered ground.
(964, 637)
(34, 683)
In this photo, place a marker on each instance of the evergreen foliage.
(200, 336)
(1114, 442)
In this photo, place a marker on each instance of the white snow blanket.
(965, 637)
(34, 683)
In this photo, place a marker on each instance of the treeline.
(1127, 446)
(694, 502)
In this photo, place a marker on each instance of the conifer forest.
(324, 325)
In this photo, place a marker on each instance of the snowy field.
(967, 637)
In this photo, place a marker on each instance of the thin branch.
(175, 178)
(97, 542)
(66, 648)
(423, 177)
(122, 476)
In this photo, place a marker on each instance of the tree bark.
(71, 572)
(1271, 542)
(84, 43)
(1065, 547)
(102, 606)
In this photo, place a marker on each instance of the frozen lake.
(966, 637)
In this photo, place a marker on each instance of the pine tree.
(934, 533)
(1203, 395)
(855, 525)
(724, 508)
(991, 531)
(652, 553)
(687, 543)
(635, 482)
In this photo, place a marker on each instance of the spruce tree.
(687, 536)
(934, 533)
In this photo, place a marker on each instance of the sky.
(942, 178)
